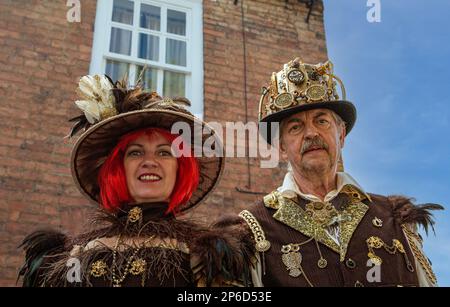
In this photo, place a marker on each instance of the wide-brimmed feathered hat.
(300, 87)
(112, 110)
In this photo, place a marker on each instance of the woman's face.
(150, 169)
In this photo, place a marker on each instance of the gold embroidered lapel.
(355, 213)
(295, 217)
(291, 214)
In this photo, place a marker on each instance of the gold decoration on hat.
(315, 92)
(97, 99)
(299, 83)
(283, 100)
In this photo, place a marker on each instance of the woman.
(127, 162)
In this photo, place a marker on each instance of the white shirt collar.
(290, 189)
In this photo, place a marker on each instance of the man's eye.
(323, 121)
(294, 128)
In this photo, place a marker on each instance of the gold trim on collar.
(354, 193)
(291, 214)
(271, 200)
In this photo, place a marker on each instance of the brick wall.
(274, 34)
(42, 57)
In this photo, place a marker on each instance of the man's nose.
(310, 131)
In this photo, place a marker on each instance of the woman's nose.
(150, 161)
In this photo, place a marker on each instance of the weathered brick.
(42, 57)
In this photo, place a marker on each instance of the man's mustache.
(315, 142)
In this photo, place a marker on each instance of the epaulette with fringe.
(410, 216)
(406, 212)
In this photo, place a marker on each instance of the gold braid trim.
(262, 245)
(418, 254)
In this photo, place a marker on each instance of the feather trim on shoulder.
(37, 246)
(406, 212)
(223, 254)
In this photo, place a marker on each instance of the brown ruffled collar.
(144, 212)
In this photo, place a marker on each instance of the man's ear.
(342, 135)
(282, 150)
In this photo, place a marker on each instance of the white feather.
(98, 100)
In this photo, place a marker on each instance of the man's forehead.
(304, 114)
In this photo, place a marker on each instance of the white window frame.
(193, 38)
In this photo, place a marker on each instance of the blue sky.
(397, 72)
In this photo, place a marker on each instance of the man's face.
(311, 141)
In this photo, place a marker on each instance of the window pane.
(120, 41)
(176, 22)
(173, 84)
(148, 47)
(149, 78)
(123, 11)
(150, 17)
(116, 70)
(175, 52)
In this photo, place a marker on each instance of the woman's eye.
(134, 153)
(165, 153)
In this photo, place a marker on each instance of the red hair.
(112, 179)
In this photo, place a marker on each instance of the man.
(320, 228)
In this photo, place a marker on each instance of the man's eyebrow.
(320, 114)
(293, 120)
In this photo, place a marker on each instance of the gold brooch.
(98, 268)
(134, 215)
(377, 222)
(397, 246)
(292, 259)
(138, 266)
(321, 213)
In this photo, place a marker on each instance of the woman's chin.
(151, 199)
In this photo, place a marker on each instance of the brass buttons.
(350, 263)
